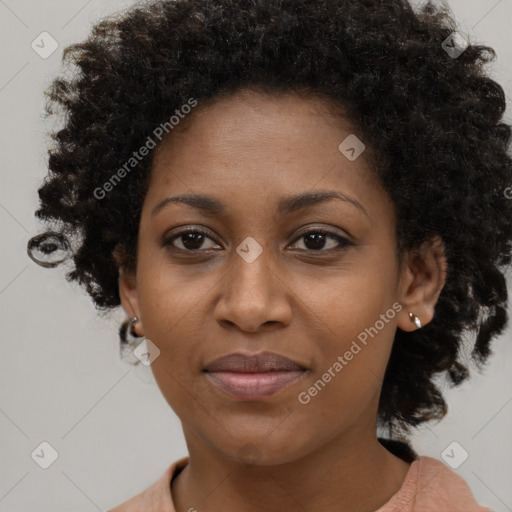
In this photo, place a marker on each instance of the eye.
(315, 240)
(191, 239)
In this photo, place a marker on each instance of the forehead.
(254, 147)
(250, 116)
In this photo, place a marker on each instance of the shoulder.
(157, 497)
(431, 486)
(441, 488)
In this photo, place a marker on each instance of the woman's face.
(262, 279)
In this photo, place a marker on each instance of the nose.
(253, 296)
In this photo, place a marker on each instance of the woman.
(300, 206)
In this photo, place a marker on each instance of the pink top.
(429, 486)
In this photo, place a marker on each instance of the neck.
(352, 473)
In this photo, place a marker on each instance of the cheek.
(344, 303)
(173, 322)
(168, 300)
(351, 336)
(347, 380)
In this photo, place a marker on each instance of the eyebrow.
(286, 206)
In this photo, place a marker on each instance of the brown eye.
(190, 240)
(316, 240)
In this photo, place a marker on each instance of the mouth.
(253, 377)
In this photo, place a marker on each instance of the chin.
(262, 451)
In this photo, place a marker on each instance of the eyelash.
(343, 241)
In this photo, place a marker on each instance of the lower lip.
(253, 386)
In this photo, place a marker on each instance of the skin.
(248, 151)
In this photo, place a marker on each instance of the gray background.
(61, 379)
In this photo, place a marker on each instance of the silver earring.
(415, 319)
(129, 341)
(133, 319)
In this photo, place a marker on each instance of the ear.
(422, 279)
(127, 284)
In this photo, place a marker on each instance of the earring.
(129, 341)
(415, 319)
(133, 319)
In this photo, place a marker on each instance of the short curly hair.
(430, 119)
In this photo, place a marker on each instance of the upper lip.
(253, 363)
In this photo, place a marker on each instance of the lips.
(254, 376)
(255, 363)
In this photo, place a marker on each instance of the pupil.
(195, 237)
(318, 240)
